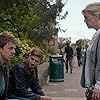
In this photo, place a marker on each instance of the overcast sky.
(74, 22)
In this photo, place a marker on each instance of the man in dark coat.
(7, 51)
(24, 80)
(78, 53)
(69, 57)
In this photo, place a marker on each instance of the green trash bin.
(56, 68)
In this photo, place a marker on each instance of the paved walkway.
(70, 89)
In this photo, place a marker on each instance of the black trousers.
(79, 61)
(69, 63)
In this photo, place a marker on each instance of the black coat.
(21, 80)
(4, 71)
(69, 52)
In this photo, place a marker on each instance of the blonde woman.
(91, 69)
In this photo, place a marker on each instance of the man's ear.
(98, 16)
(41, 62)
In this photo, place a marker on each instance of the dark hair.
(5, 38)
(37, 52)
(67, 44)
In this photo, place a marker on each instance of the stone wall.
(43, 72)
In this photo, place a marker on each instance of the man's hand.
(45, 98)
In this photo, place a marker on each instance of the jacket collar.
(94, 46)
(3, 65)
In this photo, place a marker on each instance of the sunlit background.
(73, 25)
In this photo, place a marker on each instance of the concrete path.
(70, 89)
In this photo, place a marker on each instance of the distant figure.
(78, 54)
(60, 52)
(83, 54)
(68, 58)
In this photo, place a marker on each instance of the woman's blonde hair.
(94, 8)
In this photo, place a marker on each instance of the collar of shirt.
(94, 37)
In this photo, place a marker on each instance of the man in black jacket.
(7, 51)
(78, 54)
(24, 80)
(69, 57)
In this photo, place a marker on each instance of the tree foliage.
(34, 19)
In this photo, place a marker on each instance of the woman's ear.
(0, 50)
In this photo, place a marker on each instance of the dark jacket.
(78, 51)
(21, 80)
(4, 72)
(69, 51)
